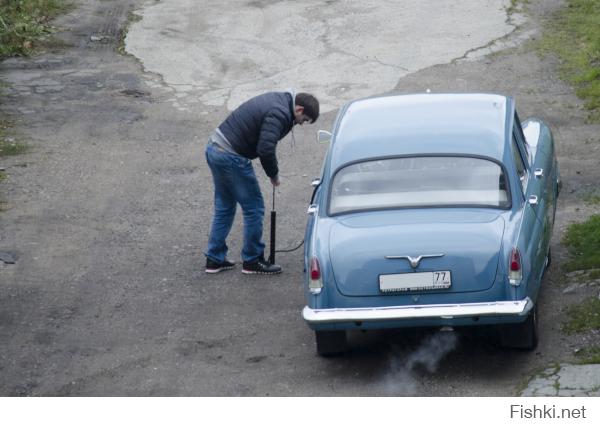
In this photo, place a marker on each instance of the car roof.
(472, 124)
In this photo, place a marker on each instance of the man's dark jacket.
(256, 126)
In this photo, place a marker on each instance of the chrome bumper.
(409, 312)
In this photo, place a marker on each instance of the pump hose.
(292, 249)
(273, 231)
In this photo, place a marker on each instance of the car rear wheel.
(524, 335)
(330, 343)
(548, 259)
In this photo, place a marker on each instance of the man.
(252, 130)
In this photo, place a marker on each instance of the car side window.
(519, 164)
(518, 133)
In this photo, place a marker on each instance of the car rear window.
(418, 182)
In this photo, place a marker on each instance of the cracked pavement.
(565, 381)
(223, 53)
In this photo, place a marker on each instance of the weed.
(24, 27)
(593, 274)
(592, 199)
(583, 317)
(583, 243)
(516, 6)
(25, 24)
(131, 18)
(573, 34)
(540, 372)
(589, 355)
(9, 146)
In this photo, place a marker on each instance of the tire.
(330, 343)
(547, 263)
(523, 336)
(548, 260)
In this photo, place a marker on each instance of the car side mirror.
(324, 137)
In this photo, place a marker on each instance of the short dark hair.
(310, 105)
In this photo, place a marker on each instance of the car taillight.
(315, 269)
(315, 284)
(514, 271)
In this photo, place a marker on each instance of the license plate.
(404, 282)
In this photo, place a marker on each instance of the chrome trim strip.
(414, 261)
(442, 311)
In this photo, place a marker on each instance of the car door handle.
(539, 173)
(312, 209)
(533, 200)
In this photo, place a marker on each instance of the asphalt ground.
(107, 214)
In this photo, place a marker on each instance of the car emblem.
(414, 261)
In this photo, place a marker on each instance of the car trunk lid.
(365, 246)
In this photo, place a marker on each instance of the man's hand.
(275, 181)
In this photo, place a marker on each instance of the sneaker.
(216, 267)
(260, 266)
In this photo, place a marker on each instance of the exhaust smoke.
(402, 378)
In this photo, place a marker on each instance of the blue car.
(431, 210)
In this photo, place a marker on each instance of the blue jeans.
(235, 182)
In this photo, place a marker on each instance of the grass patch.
(584, 317)
(587, 276)
(9, 148)
(516, 6)
(573, 34)
(24, 29)
(592, 199)
(589, 355)
(593, 274)
(25, 25)
(9, 145)
(583, 242)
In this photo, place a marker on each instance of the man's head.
(306, 108)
